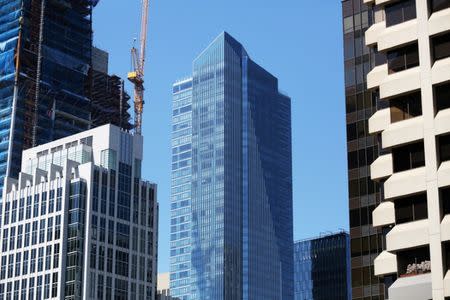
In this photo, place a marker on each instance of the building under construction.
(109, 99)
(48, 88)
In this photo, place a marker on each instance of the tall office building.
(232, 230)
(79, 222)
(362, 149)
(414, 129)
(322, 268)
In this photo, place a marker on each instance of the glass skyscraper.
(322, 268)
(232, 231)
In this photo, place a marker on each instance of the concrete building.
(79, 222)
(322, 268)
(231, 172)
(414, 129)
(362, 149)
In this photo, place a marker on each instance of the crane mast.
(137, 75)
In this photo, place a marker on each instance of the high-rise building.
(322, 268)
(366, 242)
(109, 99)
(45, 47)
(413, 127)
(50, 82)
(79, 222)
(232, 229)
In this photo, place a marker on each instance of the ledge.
(412, 288)
(382, 167)
(376, 76)
(397, 35)
(408, 235)
(400, 83)
(439, 71)
(380, 121)
(403, 132)
(405, 183)
(373, 33)
(384, 214)
(385, 263)
(443, 174)
(442, 122)
(438, 22)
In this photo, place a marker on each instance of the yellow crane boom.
(137, 75)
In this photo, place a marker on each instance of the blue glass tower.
(240, 232)
(322, 268)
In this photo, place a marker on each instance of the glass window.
(436, 5)
(406, 107)
(442, 96)
(440, 46)
(348, 24)
(444, 147)
(400, 12)
(408, 157)
(403, 58)
(411, 208)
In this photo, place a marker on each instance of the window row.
(29, 261)
(405, 10)
(31, 233)
(39, 287)
(407, 57)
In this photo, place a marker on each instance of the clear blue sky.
(298, 41)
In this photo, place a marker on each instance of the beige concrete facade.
(434, 230)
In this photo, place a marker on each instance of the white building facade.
(80, 223)
(413, 122)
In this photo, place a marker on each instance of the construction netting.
(10, 12)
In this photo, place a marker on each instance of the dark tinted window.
(410, 209)
(444, 147)
(441, 46)
(445, 200)
(436, 5)
(400, 12)
(403, 58)
(442, 96)
(406, 107)
(408, 157)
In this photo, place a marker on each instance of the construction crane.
(137, 75)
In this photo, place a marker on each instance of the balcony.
(400, 82)
(442, 122)
(412, 288)
(376, 76)
(396, 35)
(439, 71)
(438, 22)
(406, 183)
(445, 228)
(385, 263)
(373, 33)
(408, 235)
(380, 121)
(403, 132)
(382, 167)
(444, 174)
(384, 214)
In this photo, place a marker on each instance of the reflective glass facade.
(322, 268)
(362, 149)
(241, 183)
(180, 251)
